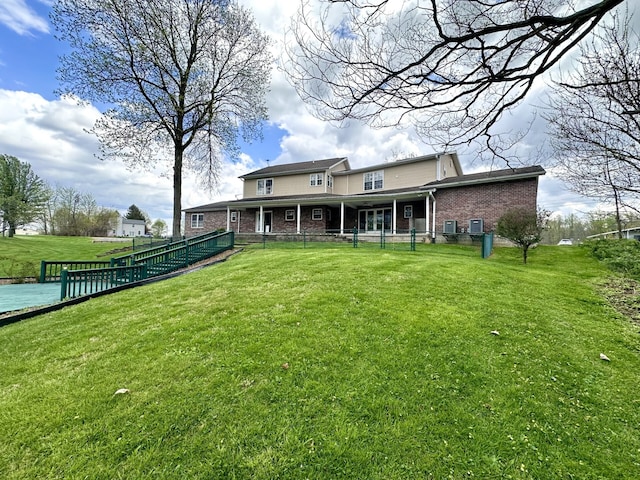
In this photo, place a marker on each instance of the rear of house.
(428, 193)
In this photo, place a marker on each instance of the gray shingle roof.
(293, 168)
(488, 177)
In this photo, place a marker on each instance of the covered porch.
(394, 213)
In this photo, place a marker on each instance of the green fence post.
(413, 239)
(63, 284)
(382, 240)
(304, 238)
(43, 271)
(264, 240)
(355, 237)
(186, 253)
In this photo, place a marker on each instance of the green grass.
(20, 256)
(392, 372)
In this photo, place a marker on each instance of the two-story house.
(428, 193)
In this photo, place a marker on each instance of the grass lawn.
(331, 363)
(20, 256)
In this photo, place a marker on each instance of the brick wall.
(488, 202)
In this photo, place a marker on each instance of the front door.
(266, 225)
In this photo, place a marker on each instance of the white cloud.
(20, 18)
(51, 136)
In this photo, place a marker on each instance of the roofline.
(484, 180)
(339, 160)
(404, 161)
(335, 199)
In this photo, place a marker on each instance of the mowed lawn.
(20, 256)
(332, 363)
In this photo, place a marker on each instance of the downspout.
(228, 218)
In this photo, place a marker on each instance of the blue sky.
(49, 132)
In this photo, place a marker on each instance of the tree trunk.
(177, 189)
(618, 219)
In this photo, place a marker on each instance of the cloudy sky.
(39, 127)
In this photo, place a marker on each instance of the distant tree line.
(69, 212)
(578, 227)
(25, 198)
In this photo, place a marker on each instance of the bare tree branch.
(450, 68)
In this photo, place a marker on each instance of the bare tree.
(180, 76)
(593, 118)
(451, 68)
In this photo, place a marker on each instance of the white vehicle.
(565, 241)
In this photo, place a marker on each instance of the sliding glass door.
(375, 220)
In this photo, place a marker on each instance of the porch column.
(341, 218)
(433, 230)
(428, 214)
(261, 220)
(298, 219)
(393, 218)
(228, 218)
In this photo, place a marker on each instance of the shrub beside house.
(427, 193)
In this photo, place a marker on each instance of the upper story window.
(315, 179)
(374, 180)
(329, 181)
(265, 186)
(197, 220)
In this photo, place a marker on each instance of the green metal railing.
(75, 283)
(82, 278)
(51, 272)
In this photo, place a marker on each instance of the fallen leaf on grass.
(604, 357)
(121, 391)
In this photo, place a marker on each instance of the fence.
(81, 278)
(51, 272)
(75, 283)
(401, 240)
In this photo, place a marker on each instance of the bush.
(622, 256)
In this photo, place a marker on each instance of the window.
(234, 216)
(329, 181)
(289, 215)
(408, 211)
(265, 186)
(316, 214)
(315, 179)
(197, 220)
(374, 180)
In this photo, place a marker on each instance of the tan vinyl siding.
(395, 177)
(288, 185)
